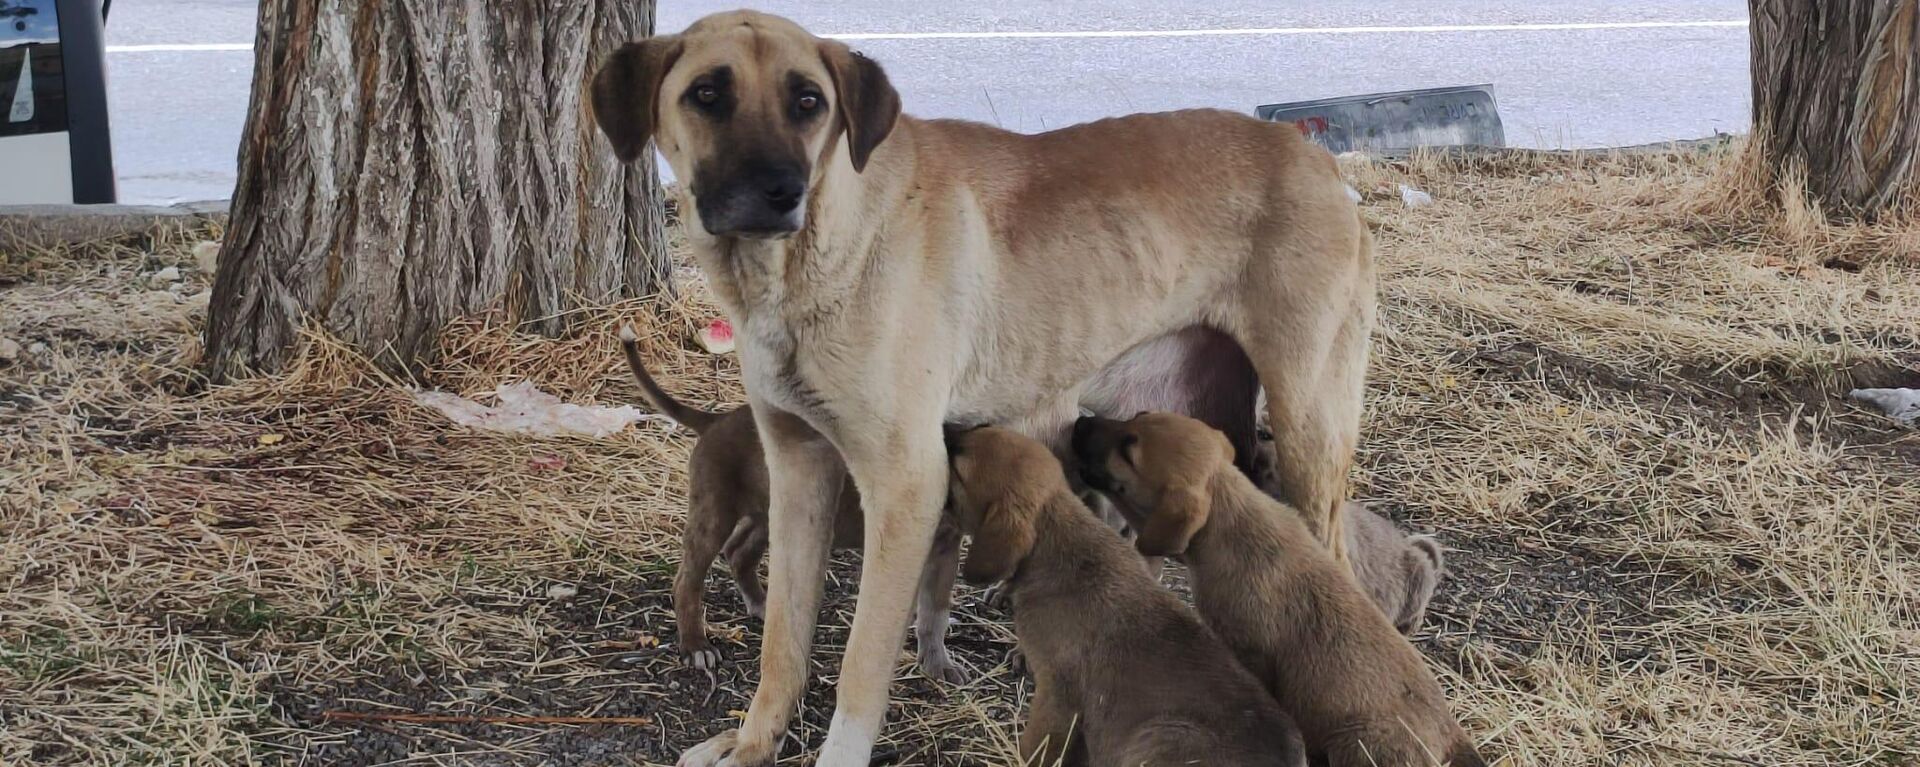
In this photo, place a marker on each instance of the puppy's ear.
(1003, 540)
(1181, 513)
(869, 106)
(626, 92)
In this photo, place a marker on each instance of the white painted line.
(180, 48)
(1128, 33)
(1279, 31)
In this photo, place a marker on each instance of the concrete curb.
(30, 226)
(24, 227)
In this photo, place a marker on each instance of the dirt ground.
(1613, 386)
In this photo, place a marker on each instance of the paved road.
(177, 113)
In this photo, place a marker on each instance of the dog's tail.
(691, 417)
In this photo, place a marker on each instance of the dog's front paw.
(701, 655)
(727, 750)
(1017, 661)
(756, 608)
(939, 665)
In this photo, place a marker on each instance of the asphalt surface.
(177, 113)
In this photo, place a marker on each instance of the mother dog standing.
(885, 274)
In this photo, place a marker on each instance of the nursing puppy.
(1124, 674)
(1400, 571)
(727, 515)
(1362, 696)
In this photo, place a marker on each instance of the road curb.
(25, 227)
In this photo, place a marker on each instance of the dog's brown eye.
(706, 94)
(808, 103)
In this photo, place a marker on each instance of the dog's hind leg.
(709, 524)
(934, 609)
(744, 550)
(1311, 355)
(804, 477)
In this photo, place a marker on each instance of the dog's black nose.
(783, 194)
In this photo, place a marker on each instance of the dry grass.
(1609, 383)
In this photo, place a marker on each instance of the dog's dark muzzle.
(764, 203)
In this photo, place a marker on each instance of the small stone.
(38, 348)
(562, 591)
(164, 277)
(206, 255)
(1414, 198)
(9, 350)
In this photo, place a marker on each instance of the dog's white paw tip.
(716, 752)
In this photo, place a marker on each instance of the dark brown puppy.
(727, 515)
(1363, 697)
(1124, 674)
(1400, 571)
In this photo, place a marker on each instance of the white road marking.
(1281, 31)
(1130, 33)
(180, 48)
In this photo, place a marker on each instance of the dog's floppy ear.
(626, 92)
(1182, 511)
(1004, 538)
(869, 105)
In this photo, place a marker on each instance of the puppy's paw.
(702, 656)
(727, 750)
(1017, 661)
(939, 665)
(998, 596)
(756, 608)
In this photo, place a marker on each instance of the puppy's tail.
(1428, 548)
(691, 417)
(1423, 565)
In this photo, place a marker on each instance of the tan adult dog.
(1124, 673)
(727, 515)
(886, 274)
(1362, 696)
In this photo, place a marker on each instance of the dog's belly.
(1196, 371)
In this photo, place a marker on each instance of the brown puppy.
(1362, 695)
(1400, 571)
(727, 515)
(1124, 674)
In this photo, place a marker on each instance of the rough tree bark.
(1836, 87)
(405, 162)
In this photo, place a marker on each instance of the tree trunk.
(406, 162)
(1836, 87)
